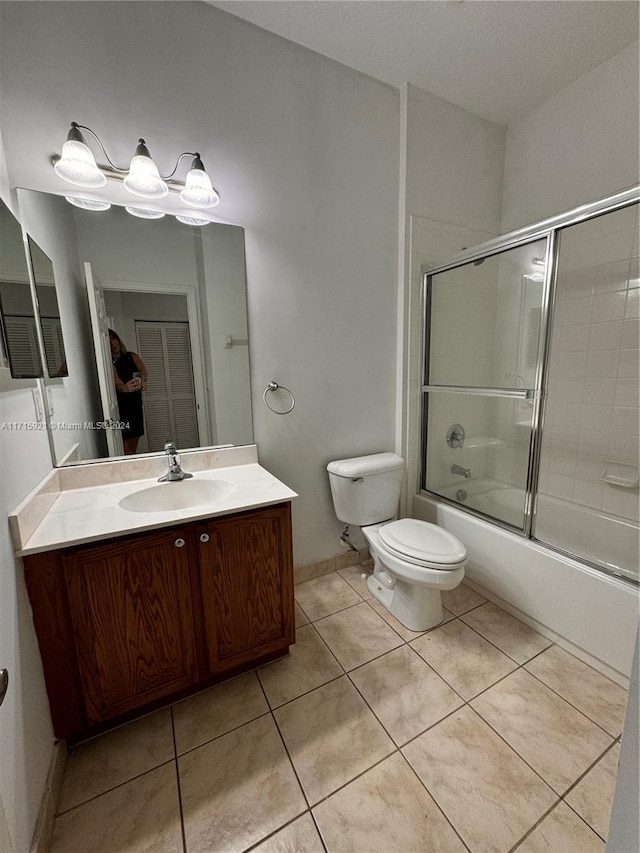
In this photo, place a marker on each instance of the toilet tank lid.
(361, 466)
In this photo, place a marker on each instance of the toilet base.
(419, 608)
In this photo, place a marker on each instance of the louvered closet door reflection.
(169, 401)
(23, 349)
(53, 344)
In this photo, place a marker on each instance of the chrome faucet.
(175, 472)
(464, 472)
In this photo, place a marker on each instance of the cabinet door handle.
(204, 537)
(179, 543)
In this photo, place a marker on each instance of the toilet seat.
(422, 544)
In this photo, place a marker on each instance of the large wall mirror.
(176, 297)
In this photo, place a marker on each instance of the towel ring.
(273, 386)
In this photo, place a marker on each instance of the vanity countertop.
(93, 513)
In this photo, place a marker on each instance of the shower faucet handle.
(455, 435)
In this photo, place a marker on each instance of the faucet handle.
(170, 447)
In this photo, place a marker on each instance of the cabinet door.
(247, 586)
(130, 604)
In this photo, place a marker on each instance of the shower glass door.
(587, 502)
(483, 338)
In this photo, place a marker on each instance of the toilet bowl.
(413, 560)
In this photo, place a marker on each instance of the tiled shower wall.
(592, 411)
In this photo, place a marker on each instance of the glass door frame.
(547, 229)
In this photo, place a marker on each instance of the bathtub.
(591, 613)
(592, 535)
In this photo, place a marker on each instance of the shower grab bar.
(516, 393)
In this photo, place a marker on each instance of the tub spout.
(464, 472)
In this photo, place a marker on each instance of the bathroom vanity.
(183, 599)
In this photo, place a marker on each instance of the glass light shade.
(187, 219)
(144, 179)
(77, 165)
(198, 191)
(87, 203)
(141, 213)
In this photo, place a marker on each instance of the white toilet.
(413, 560)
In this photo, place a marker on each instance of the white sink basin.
(183, 494)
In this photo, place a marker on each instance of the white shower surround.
(591, 614)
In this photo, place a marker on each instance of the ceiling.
(494, 58)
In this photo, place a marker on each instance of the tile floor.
(479, 735)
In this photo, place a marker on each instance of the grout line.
(115, 787)
(584, 820)
(284, 746)
(438, 806)
(575, 707)
(177, 768)
(536, 824)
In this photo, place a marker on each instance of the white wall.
(25, 726)
(302, 151)
(580, 145)
(453, 189)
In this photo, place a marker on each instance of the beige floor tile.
(559, 742)
(601, 699)
(238, 789)
(331, 736)
(386, 810)
(111, 759)
(489, 794)
(406, 633)
(509, 634)
(322, 596)
(465, 660)
(308, 665)
(357, 635)
(207, 715)
(461, 599)
(404, 693)
(562, 831)
(353, 576)
(301, 836)
(593, 796)
(141, 816)
(301, 617)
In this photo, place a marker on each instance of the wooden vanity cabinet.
(246, 597)
(133, 621)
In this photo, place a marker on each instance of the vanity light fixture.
(143, 213)
(188, 219)
(78, 166)
(87, 203)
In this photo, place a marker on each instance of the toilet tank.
(366, 489)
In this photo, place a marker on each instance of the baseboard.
(558, 639)
(41, 841)
(332, 564)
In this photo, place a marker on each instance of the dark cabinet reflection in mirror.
(174, 293)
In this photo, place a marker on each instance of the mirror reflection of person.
(130, 377)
